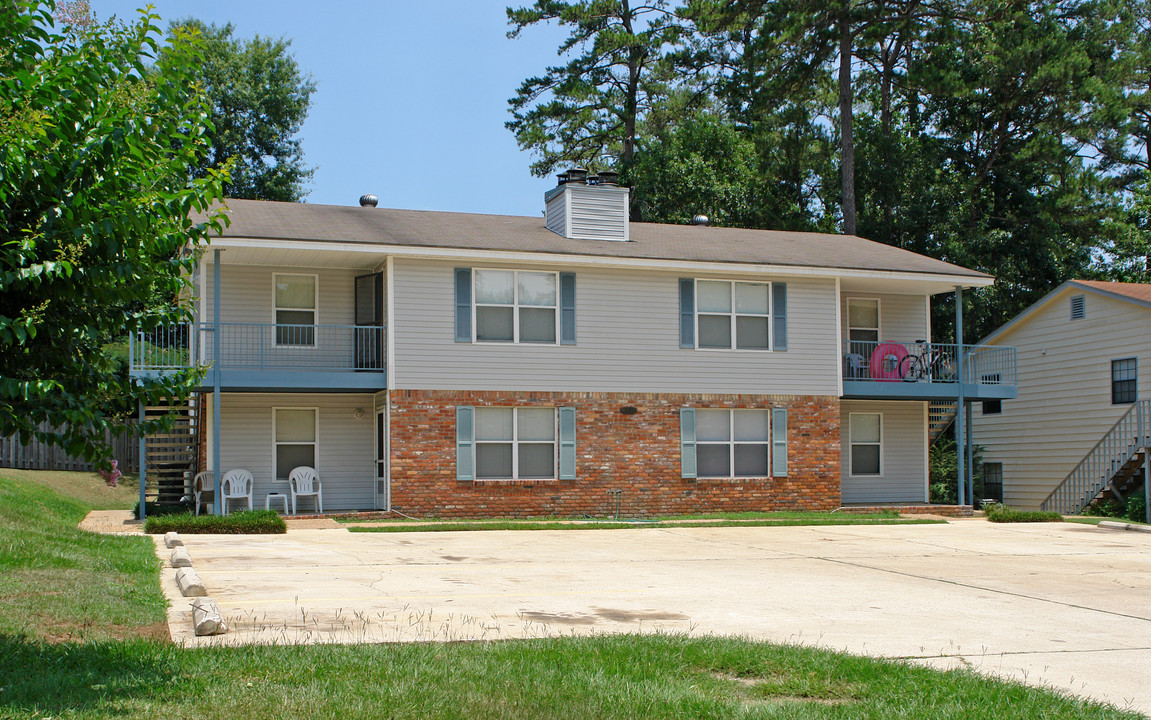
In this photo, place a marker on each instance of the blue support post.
(970, 459)
(961, 407)
(143, 462)
(216, 381)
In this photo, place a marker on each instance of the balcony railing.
(924, 362)
(260, 346)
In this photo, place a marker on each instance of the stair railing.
(1099, 466)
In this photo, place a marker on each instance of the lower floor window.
(515, 443)
(866, 438)
(732, 443)
(294, 438)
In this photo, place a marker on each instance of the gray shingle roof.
(420, 228)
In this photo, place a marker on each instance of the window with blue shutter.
(567, 443)
(779, 442)
(779, 316)
(687, 442)
(567, 309)
(465, 443)
(464, 305)
(687, 312)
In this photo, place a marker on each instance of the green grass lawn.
(742, 519)
(64, 653)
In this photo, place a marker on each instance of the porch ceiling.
(281, 256)
(906, 286)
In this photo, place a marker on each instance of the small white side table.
(278, 497)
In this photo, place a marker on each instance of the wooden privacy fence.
(37, 455)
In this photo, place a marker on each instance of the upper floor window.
(516, 306)
(295, 307)
(1123, 381)
(733, 315)
(862, 325)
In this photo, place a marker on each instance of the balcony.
(927, 371)
(266, 356)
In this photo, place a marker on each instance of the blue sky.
(411, 97)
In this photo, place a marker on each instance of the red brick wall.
(637, 454)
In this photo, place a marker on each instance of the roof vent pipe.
(607, 177)
(369, 200)
(700, 220)
(577, 176)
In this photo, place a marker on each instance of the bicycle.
(927, 363)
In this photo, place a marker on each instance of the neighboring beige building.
(1084, 364)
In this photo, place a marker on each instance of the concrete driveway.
(1063, 605)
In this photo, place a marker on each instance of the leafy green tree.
(701, 166)
(259, 99)
(587, 111)
(96, 148)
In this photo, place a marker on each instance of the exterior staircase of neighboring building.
(940, 415)
(1114, 465)
(172, 455)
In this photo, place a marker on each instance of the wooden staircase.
(172, 455)
(1114, 466)
(940, 415)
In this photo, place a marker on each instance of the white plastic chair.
(304, 482)
(236, 485)
(203, 484)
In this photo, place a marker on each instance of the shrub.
(1136, 508)
(1004, 514)
(255, 522)
(1109, 507)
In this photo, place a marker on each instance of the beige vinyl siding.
(902, 318)
(1064, 403)
(627, 341)
(246, 293)
(345, 452)
(903, 462)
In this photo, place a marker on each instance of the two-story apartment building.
(467, 365)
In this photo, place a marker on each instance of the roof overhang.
(358, 255)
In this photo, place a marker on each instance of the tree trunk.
(847, 139)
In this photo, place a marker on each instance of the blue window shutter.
(464, 305)
(779, 315)
(567, 309)
(687, 442)
(779, 442)
(465, 443)
(687, 314)
(567, 443)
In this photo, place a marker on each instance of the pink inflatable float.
(885, 361)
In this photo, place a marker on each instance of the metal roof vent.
(607, 177)
(369, 200)
(700, 220)
(577, 175)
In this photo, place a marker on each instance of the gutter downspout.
(961, 404)
(216, 380)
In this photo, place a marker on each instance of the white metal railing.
(1100, 465)
(259, 346)
(921, 361)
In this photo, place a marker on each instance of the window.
(515, 306)
(294, 436)
(1123, 381)
(993, 482)
(515, 443)
(992, 407)
(733, 443)
(866, 437)
(733, 314)
(295, 305)
(1078, 308)
(862, 325)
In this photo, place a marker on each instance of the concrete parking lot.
(1063, 605)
